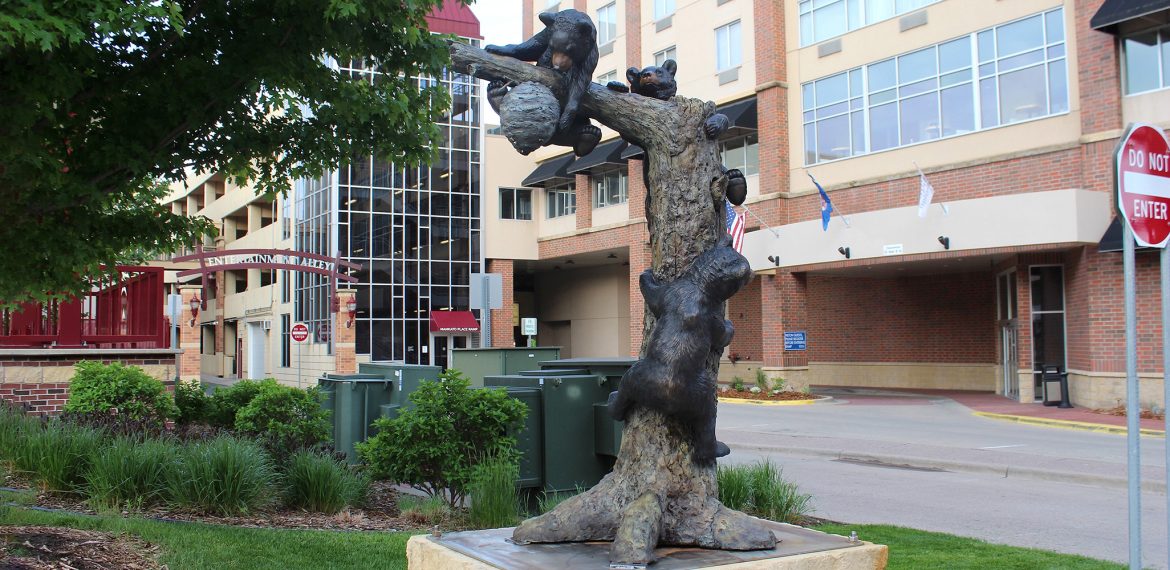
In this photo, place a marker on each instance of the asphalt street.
(928, 463)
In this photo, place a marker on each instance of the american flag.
(735, 224)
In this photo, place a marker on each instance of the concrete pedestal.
(799, 548)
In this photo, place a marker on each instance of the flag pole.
(840, 214)
(762, 222)
(945, 209)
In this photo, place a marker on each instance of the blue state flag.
(826, 205)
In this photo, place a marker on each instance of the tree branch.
(645, 121)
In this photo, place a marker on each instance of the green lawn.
(190, 545)
(916, 549)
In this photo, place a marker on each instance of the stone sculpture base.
(799, 548)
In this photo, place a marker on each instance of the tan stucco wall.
(1152, 107)
(595, 301)
(904, 375)
(506, 168)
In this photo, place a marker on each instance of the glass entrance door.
(1048, 349)
(441, 346)
(1006, 317)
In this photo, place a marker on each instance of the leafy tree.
(436, 445)
(104, 101)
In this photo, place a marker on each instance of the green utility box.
(559, 439)
(356, 400)
(479, 363)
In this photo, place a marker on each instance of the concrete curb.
(1068, 424)
(824, 400)
(957, 466)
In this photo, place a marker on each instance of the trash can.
(1055, 386)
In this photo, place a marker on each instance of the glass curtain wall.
(414, 229)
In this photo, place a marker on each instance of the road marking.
(1003, 446)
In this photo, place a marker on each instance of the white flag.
(925, 195)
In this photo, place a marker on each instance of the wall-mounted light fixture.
(351, 310)
(775, 259)
(194, 304)
(945, 241)
(844, 250)
(611, 256)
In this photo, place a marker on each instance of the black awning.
(550, 170)
(1111, 240)
(605, 153)
(632, 151)
(1114, 12)
(743, 113)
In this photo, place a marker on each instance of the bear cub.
(655, 81)
(672, 377)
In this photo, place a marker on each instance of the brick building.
(1011, 110)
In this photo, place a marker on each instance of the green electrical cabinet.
(563, 455)
(377, 390)
(479, 363)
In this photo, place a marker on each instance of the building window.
(824, 19)
(515, 204)
(605, 78)
(562, 200)
(285, 218)
(663, 8)
(609, 188)
(728, 46)
(668, 53)
(742, 153)
(607, 24)
(1146, 61)
(285, 341)
(285, 286)
(932, 93)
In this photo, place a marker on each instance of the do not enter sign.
(1143, 183)
(299, 333)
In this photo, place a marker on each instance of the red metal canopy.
(453, 322)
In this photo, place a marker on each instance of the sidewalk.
(995, 406)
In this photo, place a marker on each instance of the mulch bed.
(1120, 411)
(36, 548)
(780, 397)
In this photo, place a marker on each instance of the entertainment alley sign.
(226, 260)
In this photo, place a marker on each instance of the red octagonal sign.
(1143, 183)
(299, 332)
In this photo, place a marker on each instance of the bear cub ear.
(670, 66)
(548, 18)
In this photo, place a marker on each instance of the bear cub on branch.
(567, 45)
(672, 377)
(657, 82)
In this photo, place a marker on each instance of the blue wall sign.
(795, 340)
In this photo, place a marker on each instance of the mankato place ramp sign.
(1143, 184)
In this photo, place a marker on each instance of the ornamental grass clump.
(15, 425)
(320, 483)
(58, 454)
(222, 476)
(494, 501)
(130, 473)
(759, 489)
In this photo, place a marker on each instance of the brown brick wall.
(1097, 72)
(37, 399)
(744, 312)
(584, 202)
(633, 33)
(503, 333)
(529, 15)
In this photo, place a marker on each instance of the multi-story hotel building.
(1011, 110)
(412, 230)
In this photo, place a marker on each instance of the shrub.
(99, 388)
(58, 454)
(284, 418)
(435, 445)
(759, 489)
(223, 476)
(494, 501)
(738, 384)
(130, 473)
(194, 405)
(226, 402)
(761, 380)
(317, 482)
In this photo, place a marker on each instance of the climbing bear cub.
(658, 82)
(672, 377)
(568, 45)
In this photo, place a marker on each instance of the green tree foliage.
(99, 388)
(103, 101)
(436, 445)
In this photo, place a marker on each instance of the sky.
(500, 23)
